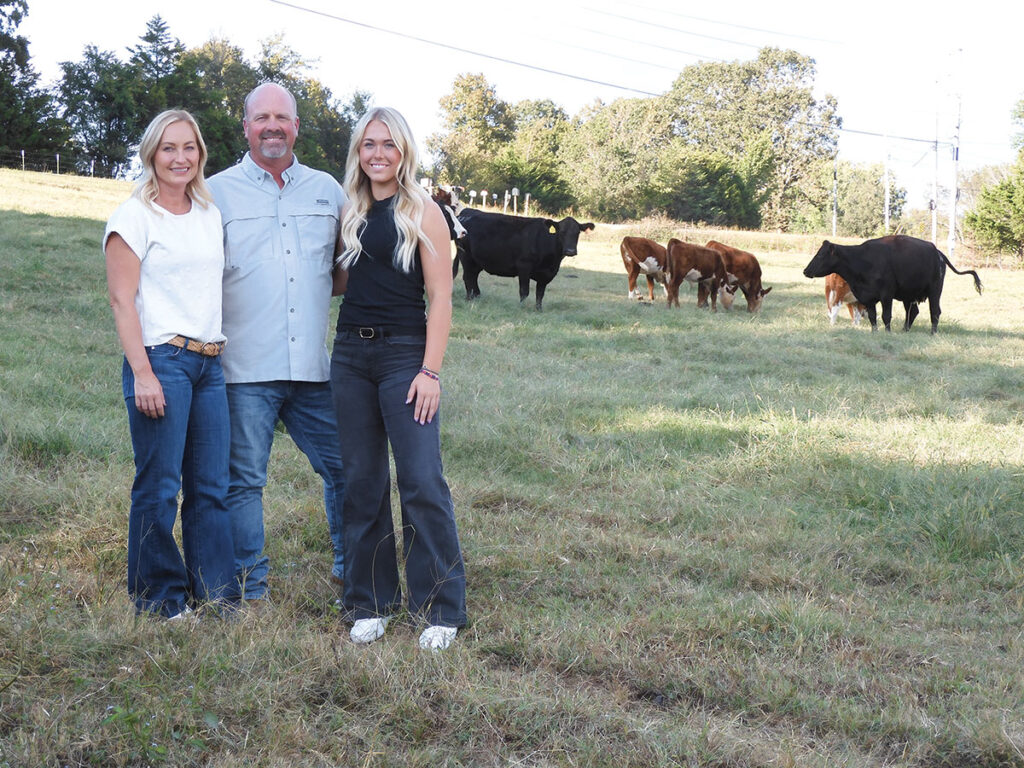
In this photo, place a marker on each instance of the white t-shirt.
(182, 258)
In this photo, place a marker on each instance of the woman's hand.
(149, 395)
(426, 391)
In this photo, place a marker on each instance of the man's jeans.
(371, 379)
(308, 415)
(186, 449)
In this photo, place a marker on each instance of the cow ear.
(588, 226)
(766, 291)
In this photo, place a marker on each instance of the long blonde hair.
(410, 201)
(147, 187)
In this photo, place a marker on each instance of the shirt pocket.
(318, 233)
(250, 240)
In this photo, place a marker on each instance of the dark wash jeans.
(370, 379)
(186, 449)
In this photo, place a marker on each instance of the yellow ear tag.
(551, 229)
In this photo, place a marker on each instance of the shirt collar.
(257, 174)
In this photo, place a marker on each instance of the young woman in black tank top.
(386, 383)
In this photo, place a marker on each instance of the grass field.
(691, 539)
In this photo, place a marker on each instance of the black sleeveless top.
(380, 294)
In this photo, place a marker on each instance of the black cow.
(895, 267)
(514, 246)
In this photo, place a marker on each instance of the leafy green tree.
(862, 200)
(223, 79)
(997, 222)
(611, 155)
(30, 115)
(697, 184)
(529, 161)
(537, 176)
(728, 105)
(477, 126)
(101, 96)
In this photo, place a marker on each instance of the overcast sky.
(898, 68)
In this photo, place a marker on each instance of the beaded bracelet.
(430, 374)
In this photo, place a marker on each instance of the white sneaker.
(437, 638)
(181, 615)
(368, 630)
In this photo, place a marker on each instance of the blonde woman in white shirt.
(164, 257)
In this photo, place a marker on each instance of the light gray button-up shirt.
(279, 248)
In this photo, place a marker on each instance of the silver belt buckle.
(367, 333)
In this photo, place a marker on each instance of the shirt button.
(283, 224)
(292, 309)
(293, 338)
(291, 279)
(287, 250)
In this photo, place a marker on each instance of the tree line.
(96, 113)
(738, 144)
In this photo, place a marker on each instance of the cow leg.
(910, 307)
(935, 311)
(872, 310)
(671, 294)
(524, 287)
(650, 287)
(887, 313)
(470, 273)
(713, 291)
(632, 271)
(541, 287)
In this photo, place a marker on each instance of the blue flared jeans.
(370, 380)
(186, 451)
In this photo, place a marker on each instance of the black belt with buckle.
(382, 332)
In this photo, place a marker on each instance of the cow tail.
(977, 280)
(455, 261)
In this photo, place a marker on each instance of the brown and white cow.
(640, 255)
(742, 271)
(837, 293)
(695, 264)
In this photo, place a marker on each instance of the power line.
(734, 25)
(673, 29)
(461, 50)
(580, 78)
(648, 44)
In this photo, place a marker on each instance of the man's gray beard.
(273, 153)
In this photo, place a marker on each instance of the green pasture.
(691, 539)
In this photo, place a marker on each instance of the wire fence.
(48, 162)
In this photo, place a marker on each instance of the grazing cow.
(742, 271)
(837, 293)
(515, 246)
(695, 264)
(896, 267)
(642, 255)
